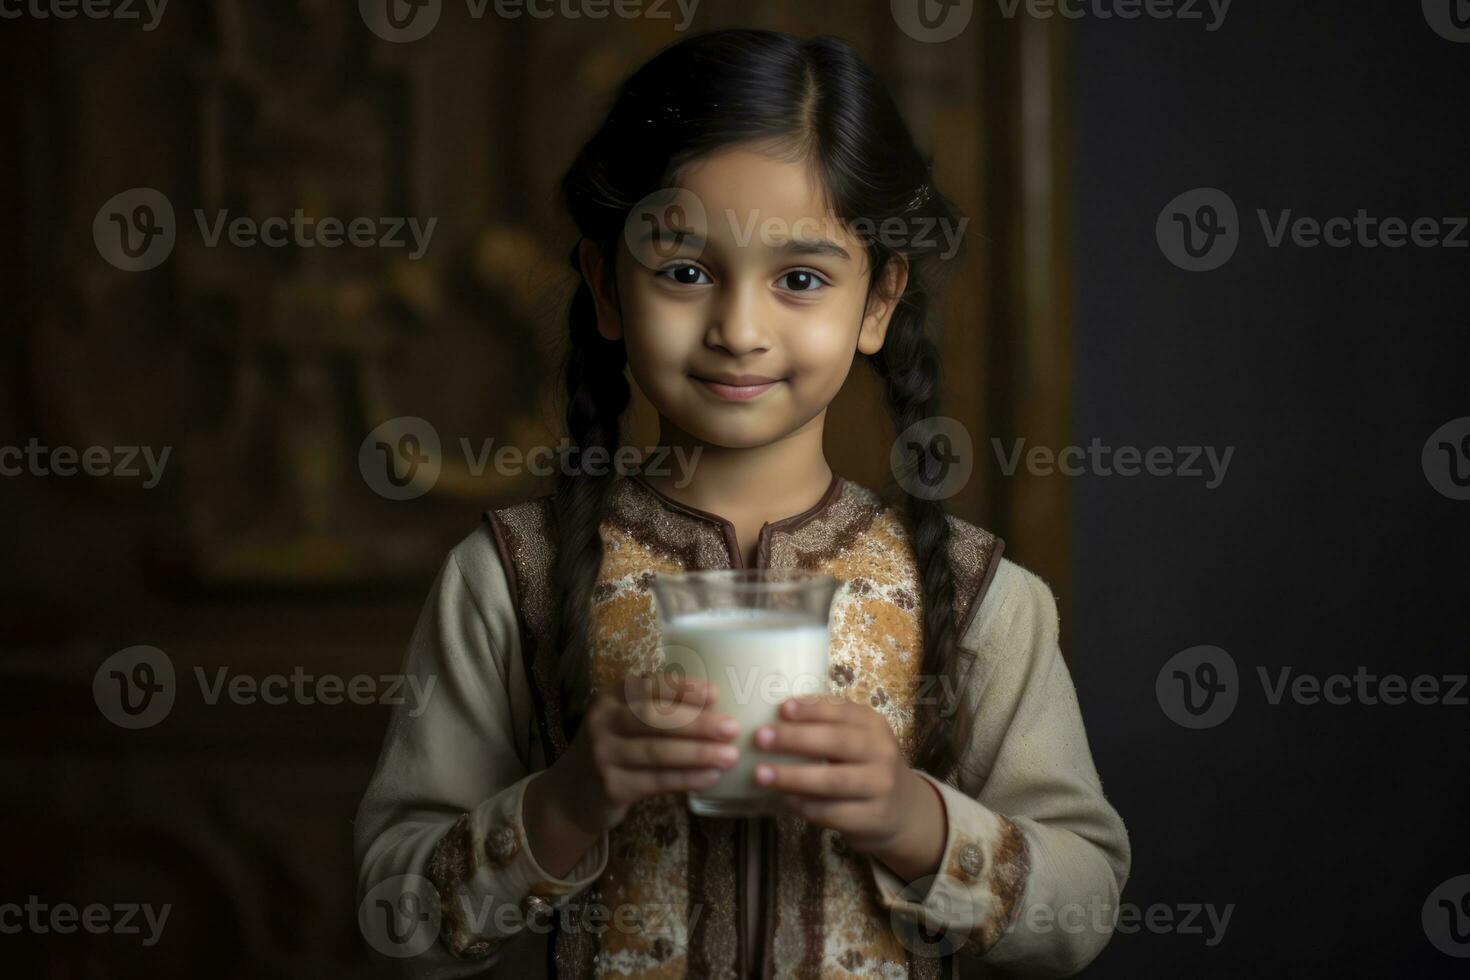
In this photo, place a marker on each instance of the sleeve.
(1035, 858)
(446, 879)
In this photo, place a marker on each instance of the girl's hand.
(866, 791)
(651, 736)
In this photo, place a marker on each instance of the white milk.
(757, 658)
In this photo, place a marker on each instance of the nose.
(736, 324)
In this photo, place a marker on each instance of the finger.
(663, 687)
(672, 753)
(681, 721)
(829, 708)
(642, 783)
(841, 781)
(839, 815)
(820, 740)
(663, 702)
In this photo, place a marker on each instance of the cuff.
(976, 895)
(490, 884)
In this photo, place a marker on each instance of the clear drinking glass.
(760, 635)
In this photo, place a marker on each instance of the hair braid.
(597, 395)
(909, 367)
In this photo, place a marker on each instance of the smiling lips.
(738, 387)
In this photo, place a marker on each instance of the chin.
(726, 436)
(725, 430)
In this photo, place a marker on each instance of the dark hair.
(818, 99)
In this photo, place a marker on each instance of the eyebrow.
(819, 246)
(681, 237)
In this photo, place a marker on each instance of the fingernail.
(764, 775)
(727, 754)
(729, 727)
(764, 736)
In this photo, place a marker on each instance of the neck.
(770, 482)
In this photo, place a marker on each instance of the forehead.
(741, 186)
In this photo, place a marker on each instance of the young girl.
(533, 818)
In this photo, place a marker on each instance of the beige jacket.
(1035, 857)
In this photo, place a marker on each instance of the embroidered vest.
(759, 897)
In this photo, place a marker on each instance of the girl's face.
(742, 323)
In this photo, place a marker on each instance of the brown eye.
(685, 275)
(802, 281)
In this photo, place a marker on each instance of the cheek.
(660, 337)
(821, 350)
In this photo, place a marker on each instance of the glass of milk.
(760, 636)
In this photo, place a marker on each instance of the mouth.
(737, 387)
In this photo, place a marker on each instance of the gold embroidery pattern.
(829, 920)
(1008, 865)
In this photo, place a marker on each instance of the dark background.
(1325, 548)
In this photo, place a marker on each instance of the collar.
(700, 539)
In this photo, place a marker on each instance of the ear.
(598, 275)
(881, 305)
